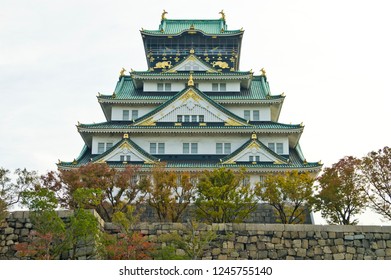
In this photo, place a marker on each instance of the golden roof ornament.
(126, 136)
(114, 95)
(122, 72)
(164, 14)
(263, 72)
(222, 15)
(254, 136)
(74, 161)
(190, 83)
(192, 51)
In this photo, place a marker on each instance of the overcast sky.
(331, 58)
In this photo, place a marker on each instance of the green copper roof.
(296, 162)
(128, 126)
(126, 90)
(178, 26)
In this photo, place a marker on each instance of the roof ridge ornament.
(164, 14)
(254, 136)
(190, 83)
(122, 72)
(222, 15)
(263, 72)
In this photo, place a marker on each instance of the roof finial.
(263, 72)
(121, 73)
(222, 15)
(190, 83)
(164, 14)
(254, 136)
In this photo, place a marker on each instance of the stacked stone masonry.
(246, 241)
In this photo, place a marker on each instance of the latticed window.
(101, 148)
(134, 114)
(125, 115)
(256, 115)
(279, 148)
(247, 114)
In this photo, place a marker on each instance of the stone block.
(269, 246)
(253, 255)
(8, 230)
(310, 234)
(279, 246)
(327, 250)
(234, 254)
(222, 257)
(350, 250)
(332, 234)
(12, 237)
(282, 253)
(287, 243)
(388, 243)
(322, 242)
(251, 247)
(291, 252)
(340, 248)
(328, 257)
(349, 237)
(253, 239)
(348, 256)
(388, 252)
(380, 253)
(242, 239)
(290, 258)
(301, 252)
(262, 255)
(339, 256)
(24, 232)
(216, 251)
(338, 241)
(304, 244)
(381, 244)
(261, 245)
(276, 240)
(296, 243)
(374, 246)
(9, 243)
(272, 255)
(302, 234)
(312, 242)
(318, 251)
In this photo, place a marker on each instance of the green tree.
(376, 167)
(290, 193)
(168, 193)
(47, 237)
(341, 195)
(224, 196)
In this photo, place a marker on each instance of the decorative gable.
(254, 151)
(192, 63)
(191, 102)
(125, 151)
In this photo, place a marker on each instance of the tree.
(341, 195)
(168, 193)
(376, 168)
(47, 237)
(3, 212)
(10, 192)
(290, 194)
(224, 196)
(119, 187)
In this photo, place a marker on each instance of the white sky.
(331, 58)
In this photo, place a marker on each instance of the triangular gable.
(254, 148)
(128, 149)
(191, 101)
(192, 63)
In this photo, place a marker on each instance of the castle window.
(223, 87)
(167, 87)
(187, 118)
(186, 148)
(124, 158)
(247, 114)
(101, 148)
(201, 118)
(219, 148)
(160, 86)
(190, 148)
(215, 87)
(279, 148)
(160, 148)
(272, 146)
(109, 146)
(134, 114)
(125, 115)
(194, 148)
(179, 118)
(223, 148)
(194, 118)
(256, 115)
(156, 148)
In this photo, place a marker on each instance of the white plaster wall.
(276, 139)
(124, 152)
(116, 113)
(205, 86)
(103, 139)
(264, 111)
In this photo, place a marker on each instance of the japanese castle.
(193, 109)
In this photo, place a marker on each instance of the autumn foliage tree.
(168, 193)
(224, 196)
(376, 168)
(119, 187)
(290, 193)
(341, 195)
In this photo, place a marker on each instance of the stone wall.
(239, 241)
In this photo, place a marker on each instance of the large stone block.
(296, 243)
(339, 256)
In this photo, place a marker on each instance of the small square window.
(223, 87)
(127, 158)
(179, 118)
(271, 146)
(109, 146)
(227, 148)
(194, 148)
(256, 115)
(167, 87)
(134, 114)
(251, 158)
(247, 114)
(152, 148)
(125, 115)
(186, 149)
(256, 158)
(122, 158)
(161, 148)
(194, 118)
(160, 87)
(279, 148)
(101, 148)
(215, 87)
(187, 118)
(201, 118)
(219, 148)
